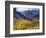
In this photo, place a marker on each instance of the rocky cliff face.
(27, 14)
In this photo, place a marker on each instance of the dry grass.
(23, 24)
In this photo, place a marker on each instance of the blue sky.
(23, 9)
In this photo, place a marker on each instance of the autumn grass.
(23, 24)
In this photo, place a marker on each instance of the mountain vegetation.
(28, 19)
